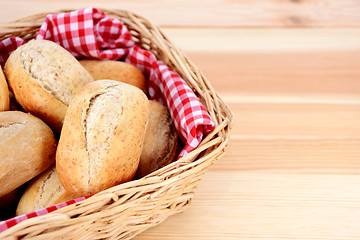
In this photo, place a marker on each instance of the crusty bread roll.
(115, 70)
(4, 93)
(43, 191)
(102, 137)
(44, 77)
(161, 141)
(27, 148)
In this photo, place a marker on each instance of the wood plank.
(248, 205)
(296, 120)
(284, 65)
(291, 155)
(220, 13)
(288, 65)
(300, 75)
(264, 40)
(297, 138)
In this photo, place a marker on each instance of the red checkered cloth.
(89, 33)
(15, 220)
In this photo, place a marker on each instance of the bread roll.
(43, 191)
(161, 141)
(116, 70)
(44, 77)
(27, 148)
(4, 93)
(102, 137)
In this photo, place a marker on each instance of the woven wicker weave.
(124, 211)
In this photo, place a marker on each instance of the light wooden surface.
(290, 71)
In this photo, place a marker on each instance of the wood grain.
(264, 40)
(214, 13)
(312, 155)
(283, 65)
(296, 120)
(297, 138)
(250, 205)
(319, 75)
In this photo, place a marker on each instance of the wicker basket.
(124, 211)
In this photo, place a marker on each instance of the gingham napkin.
(89, 33)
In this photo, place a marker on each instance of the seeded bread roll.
(44, 77)
(161, 141)
(43, 191)
(102, 137)
(27, 148)
(4, 93)
(115, 70)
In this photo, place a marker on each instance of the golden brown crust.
(4, 93)
(161, 141)
(27, 148)
(43, 191)
(116, 70)
(82, 173)
(39, 75)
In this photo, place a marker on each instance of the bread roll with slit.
(116, 70)
(102, 137)
(27, 148)
(43, 191)
(44, 77)
(161, 145)
(4, 93)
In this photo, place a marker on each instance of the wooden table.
(290, 71)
